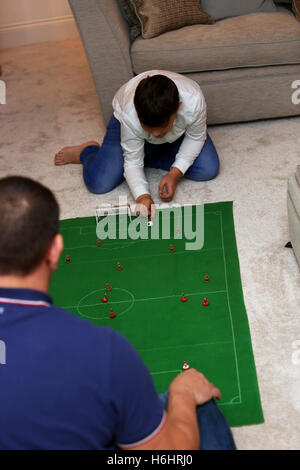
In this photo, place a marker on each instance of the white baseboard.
(29, 32)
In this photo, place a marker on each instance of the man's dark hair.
(29, 220)
(156, 99)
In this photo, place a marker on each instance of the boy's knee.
(100, 186)
(205, 174)
(212, 172)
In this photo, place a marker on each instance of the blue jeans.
(103, 167)
(215, 434)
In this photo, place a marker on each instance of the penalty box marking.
(82, 233)
(233, 401)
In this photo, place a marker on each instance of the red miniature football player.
(206, 278)
(108, 287)
(205, 302)
(185, 366)
(68, 259)
(183, 298)
(119, 267)
(112, 314)
(172, 248)
(99, 243)
(104, 299)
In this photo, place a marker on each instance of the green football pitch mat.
(145, 297)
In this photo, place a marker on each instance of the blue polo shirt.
(68, 384)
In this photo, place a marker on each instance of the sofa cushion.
(253, 40)
(296, 8)
(158, 16)
(226, 8)
(132, 20)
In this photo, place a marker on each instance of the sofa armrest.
(106, 40)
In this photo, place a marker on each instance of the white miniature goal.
(109, 209)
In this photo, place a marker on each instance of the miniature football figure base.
(112, 314)
(185, 366)
(183, 298)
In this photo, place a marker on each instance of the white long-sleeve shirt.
(190, 120)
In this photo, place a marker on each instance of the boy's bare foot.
(71, 154)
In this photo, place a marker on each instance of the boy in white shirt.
(159, 121)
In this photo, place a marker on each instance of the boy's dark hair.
(29, 219)
(156, 99)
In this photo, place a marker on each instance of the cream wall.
(28, 21)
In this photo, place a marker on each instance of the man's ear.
(54, 252)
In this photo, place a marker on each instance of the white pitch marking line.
(178, 346)
(177, 295)
(116, 246)
(148, 298)
(165, 372)
(230, 313)
(231, 403)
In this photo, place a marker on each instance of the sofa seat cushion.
(253, 40)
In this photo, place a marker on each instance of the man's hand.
(192, 382)
(168, 184)
(145, 206)
(181, 431)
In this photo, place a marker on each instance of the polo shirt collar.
(29, 297)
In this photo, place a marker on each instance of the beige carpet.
(51, 102)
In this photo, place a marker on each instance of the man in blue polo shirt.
(66, 383)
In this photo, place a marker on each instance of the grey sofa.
(244, 65)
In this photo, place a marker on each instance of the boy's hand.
(167, 186)
(194, 383)
(145, 206)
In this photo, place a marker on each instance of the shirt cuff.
(136, 181)
(138, 191)
(183, 166)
